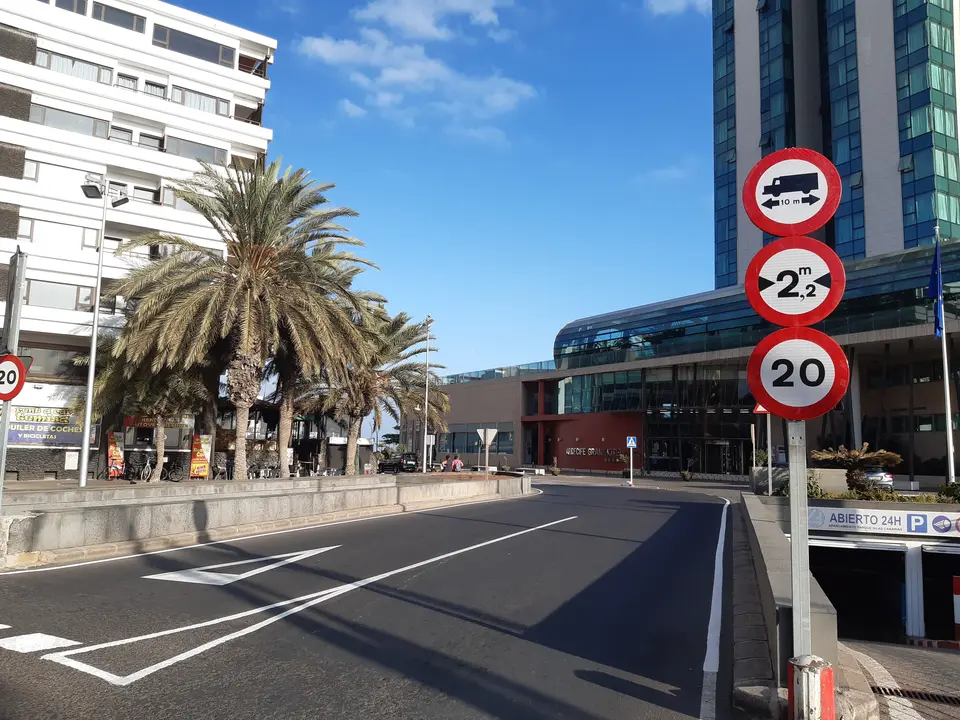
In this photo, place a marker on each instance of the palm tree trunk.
(160, 434)
(353, 437)
(284, 428)
(240, 441)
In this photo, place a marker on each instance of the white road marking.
(4, 627)
(35, 642)
(711, 660)
(306, 601)
(203, 576)
(899, 708)
(251, 537)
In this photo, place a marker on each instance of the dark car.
(399, 463)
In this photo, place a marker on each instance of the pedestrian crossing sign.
(631, 442)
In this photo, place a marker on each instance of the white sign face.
(631, 442)
(791, 191)
(885, 522)
(10, 379)
(487, 436)
(794, 281)
(797, 373)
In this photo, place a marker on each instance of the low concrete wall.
(73, 525)
(771, 557)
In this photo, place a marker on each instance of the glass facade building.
(882, 292)
(927, 107)
(726, 197)
(841, 125)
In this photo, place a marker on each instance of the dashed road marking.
(35, 642)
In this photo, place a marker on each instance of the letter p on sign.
(916, 523)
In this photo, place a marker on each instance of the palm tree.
(283, 276)
(126, 388)
(391, 381)
(857, 461)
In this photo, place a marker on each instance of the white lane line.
(253, 537)
(899, 708)
(35, 642)
(4, 627)
(306, 601)
(711, 660)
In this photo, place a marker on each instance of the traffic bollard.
(810, 694)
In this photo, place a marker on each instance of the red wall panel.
(605, 434)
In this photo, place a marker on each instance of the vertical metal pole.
(769, 456)
(951, 471)
(486, 454)
(631, 466)
(799, 543)
(426, 394)
(92, 366)
(14, 308)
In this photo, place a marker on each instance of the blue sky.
(516, 164)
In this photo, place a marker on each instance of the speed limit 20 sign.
(13, 375)
(798, 373)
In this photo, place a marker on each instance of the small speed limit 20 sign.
(12, 377)
(798, 373)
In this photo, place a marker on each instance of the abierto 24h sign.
(885, 522)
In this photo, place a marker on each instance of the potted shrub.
(554, 471)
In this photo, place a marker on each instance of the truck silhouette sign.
(803, 183)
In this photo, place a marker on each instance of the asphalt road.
(585, 603)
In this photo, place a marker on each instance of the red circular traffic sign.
(795, 281)
(12, 377)
(798, 373)
(792, 192)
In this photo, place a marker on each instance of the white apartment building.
(135, 92)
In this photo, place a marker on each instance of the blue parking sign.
(631, 442)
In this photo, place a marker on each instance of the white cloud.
(484, 134)
(394, 70)
(672, 7)
(351, 109)
(679, 171)
(425, 19)
(501, 35)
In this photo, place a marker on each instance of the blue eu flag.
(935, 292)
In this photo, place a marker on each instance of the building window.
(169, 197)
(156, 89)
(142, 194)
(120, 18)
(193, 46)
(89, 238)
(31, 170)
(77, 6)
(72, 66)
(195, 150)
(64, 120)
(49, 362)
(151, 141)
(119, 134)
(200, 101)
(59, 295)
(127, 82)
(25, 229)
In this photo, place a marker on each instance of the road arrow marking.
(203, 576)
(35, 642)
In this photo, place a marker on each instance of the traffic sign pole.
(799, 541)
(15, 297)
(769, 457)
(631, 466)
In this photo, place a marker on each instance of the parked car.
(399, 463)
(880, 478)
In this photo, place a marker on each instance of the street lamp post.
(95, 188)
(426, 393)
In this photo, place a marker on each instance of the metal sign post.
(799, 542)
(797, 373)
(769, 457)
(11, 343)
(631, 446)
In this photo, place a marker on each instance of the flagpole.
(951, 472)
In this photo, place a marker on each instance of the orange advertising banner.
(115, 454)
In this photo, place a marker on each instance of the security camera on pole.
(797, 373)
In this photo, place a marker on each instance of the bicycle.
(112, 472)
